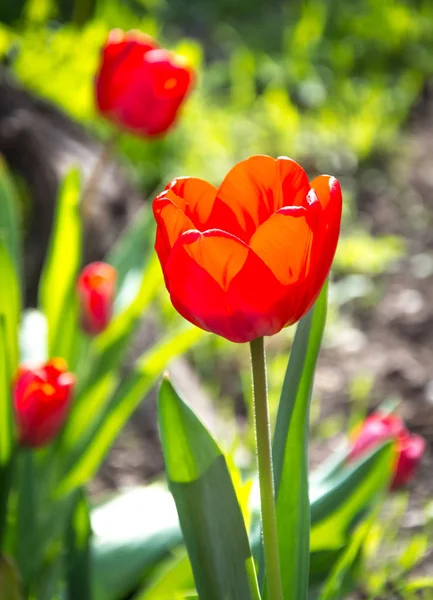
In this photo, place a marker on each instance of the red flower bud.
(41, 401)
(250, 257)
(409, 448)
(96, 287)
(140, 86)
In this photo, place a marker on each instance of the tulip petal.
(153, 92)
(218, 283)
(284, 243)
(195, 197)
(96, 287)
(218, 253)
(171, 223)
(328, 191)
(254, 190)
(120, 60)
(27, 381)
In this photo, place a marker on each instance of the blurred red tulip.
(140, 86)
(96, 288)
(409, 448)
(42, 398)
(250, 257)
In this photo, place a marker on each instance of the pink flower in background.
(409, 447)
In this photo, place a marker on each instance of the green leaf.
(89, 450)
(290, 452)
(6, 479)
(417, 585)
(129, 254)
(209, 512)
(9, 225)
(195, 450)
(341, 577)
(369, 480)
(6, 410)
(57, 296)
(328, 495)
(413, 552)
(77, 559)
(28, 549)
(172, 578)
(9, 313)
(10, 306)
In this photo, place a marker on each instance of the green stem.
(96, 174)
(264, 460)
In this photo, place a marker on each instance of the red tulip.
(96, 288)
(250, 257)
(409, 448)
(140, 86)
(41, 400)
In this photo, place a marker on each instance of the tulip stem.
(264, 460)
(96, 174)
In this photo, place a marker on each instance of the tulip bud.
(140, 86)
(409, 448)
(96, 287)
(41, 401)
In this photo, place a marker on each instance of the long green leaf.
(9, 226)
(338, 505)
(10, 306)
(9, 318)
(85, 457)
(341, 576)
(329, 495)
(370, 479)
(28, 549)
(6, 412)
(57, 297)
(6, 429)
(209, 512)
(290, 453)
(130, 252)
(78, 556)
(172, 577)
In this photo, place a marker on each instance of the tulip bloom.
(42, 398)
(96, 288)
(250, 257)
(140, 86)
(409, 448)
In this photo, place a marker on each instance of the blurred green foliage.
(326, 82)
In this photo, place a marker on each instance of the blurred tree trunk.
(40, 144)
